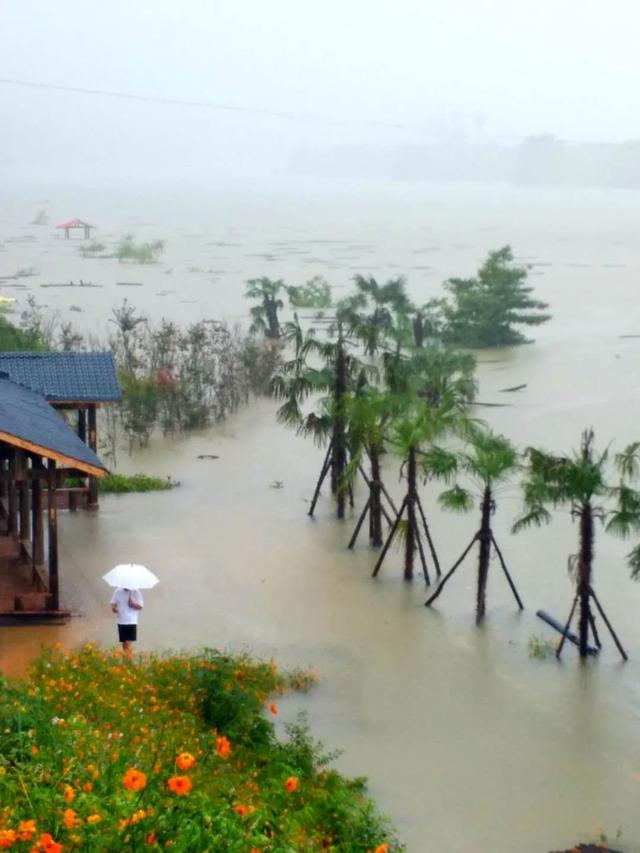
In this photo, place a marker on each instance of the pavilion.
(38, 451)
(74, 225)
(71, 381)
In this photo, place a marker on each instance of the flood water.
(469, 744)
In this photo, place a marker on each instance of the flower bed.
(100, 753)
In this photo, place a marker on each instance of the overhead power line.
(212, 105)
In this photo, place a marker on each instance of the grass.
(103, 753)
(139, 253)
(124, 483)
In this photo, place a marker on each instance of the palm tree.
(369, 412)
(338, 376)
(490, 462)
(580, 481)
(265, 314)
(417, 427)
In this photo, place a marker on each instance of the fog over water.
(468, 743)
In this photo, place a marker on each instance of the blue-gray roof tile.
(28, 417)
(89, 377)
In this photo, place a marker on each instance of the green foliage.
(483, 311)
(316, 293)
(15, 339)
(139, 253)
(124, 483)
(540, 647)
(96, 249)
(264, 316)
(579, 480)
(83, 720)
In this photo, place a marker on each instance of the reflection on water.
(468, 743)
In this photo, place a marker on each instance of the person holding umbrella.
(127, 601)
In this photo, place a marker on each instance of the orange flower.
(87, 787)
(94, 818)
(69, 794)
(180, 785)
(241, 810)
(134, 780)
(273, 708)
(8, 838)
(185, 761)
(291, 784)
(255, 850)
(150, 838)
(48, 845)
(26, 830)
(381, 848)
(70, 818)
(223, 747)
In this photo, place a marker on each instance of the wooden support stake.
(12, 518)
(392, 533)
(506, 572)
(425, 570)
(566, 628)
(430, 601)
(434, 555)
(608, 624)
(326, 465)
(363, 515)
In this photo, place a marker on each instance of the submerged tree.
(489, 463)
(484, 310)
(369, 414)
(581, 481)
(264, 315)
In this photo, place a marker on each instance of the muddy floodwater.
(469, 744)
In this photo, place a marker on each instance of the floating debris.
(515, 388)
(129, 284)
(207, 456)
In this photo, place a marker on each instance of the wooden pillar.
(3, 488)
(52, 514)
(93, 444)
(37, 526)
(23, 495)
(82, 425)
(12, 520)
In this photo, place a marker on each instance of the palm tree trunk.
(375, 508)
(585, 562)
(484, 556)
(412, 491)
(339, 445)
(271, 310)
(418, 329)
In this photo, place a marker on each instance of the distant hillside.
(539, 160)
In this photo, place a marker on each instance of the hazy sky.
(500, 67)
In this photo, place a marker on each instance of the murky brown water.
(468, 743)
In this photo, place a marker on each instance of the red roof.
(75, 223)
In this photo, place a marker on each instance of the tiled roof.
(80, 376)
(28, 417)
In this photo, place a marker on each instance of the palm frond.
(628, 461)
(535, 516)
(456, 499)
(633, 561)
(625, 519)
(439, 463)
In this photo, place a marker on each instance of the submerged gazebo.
(38, 451)
(74, 225)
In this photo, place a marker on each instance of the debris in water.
(514, 388)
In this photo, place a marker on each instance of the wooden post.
(3, 488)
(82, 425)
(37, 527)
(93, 444)
(12, 520)
(52, 513)
(23, 496)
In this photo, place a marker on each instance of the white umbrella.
(130, 576)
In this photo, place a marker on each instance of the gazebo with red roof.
(75, 224)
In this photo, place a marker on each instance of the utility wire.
(212, 105)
